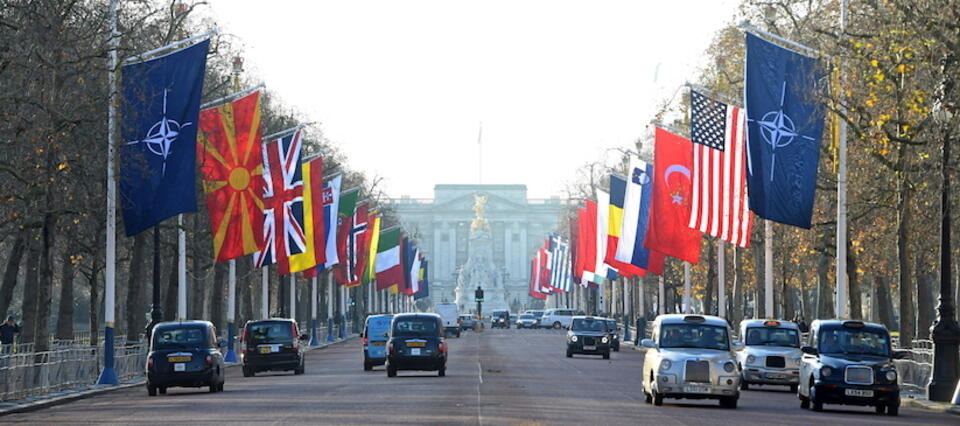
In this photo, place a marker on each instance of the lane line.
(479, 376)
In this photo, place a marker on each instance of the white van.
(557, 318)
(450, 314)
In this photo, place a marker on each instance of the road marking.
(479, 376)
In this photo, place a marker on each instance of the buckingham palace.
(517, 227)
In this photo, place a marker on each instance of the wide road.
(508, 377)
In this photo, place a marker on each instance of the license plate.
(179, 367)
(696, 389)
(264, 349)
(179, 358)
(589, 347)
(858, 392)
(774, 376)
(415, 351)
(379, 343)
(416, 344)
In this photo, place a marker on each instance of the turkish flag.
(672, 191)
(588, 240)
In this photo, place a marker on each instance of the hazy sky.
(402, 86)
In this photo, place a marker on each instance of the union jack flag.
(283, 233)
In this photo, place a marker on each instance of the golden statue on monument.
(479, 208)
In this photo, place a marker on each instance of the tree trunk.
(710, 287)
(136, 310)
(12, 271)
(758, 302)
(824, 292)
(197, 284)
(28, 333)
(66, 308)
(95, 301)
(217, 300)
(853, 283)
(45, 284)
(904, 225)
(884, 302)
(736, 307)
(925, 304)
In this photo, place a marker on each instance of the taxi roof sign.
(853, 324)
(693, 318)
(771, 323)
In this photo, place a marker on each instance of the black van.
(416, 343)
(272, 345)
(184, 353)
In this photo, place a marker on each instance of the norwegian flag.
(720, 206)
(282, 203)
(357, 246)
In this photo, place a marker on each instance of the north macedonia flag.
(231, 167)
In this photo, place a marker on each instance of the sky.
(404, 87)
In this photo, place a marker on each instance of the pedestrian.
(7, 330)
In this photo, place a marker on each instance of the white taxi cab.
(771, 355)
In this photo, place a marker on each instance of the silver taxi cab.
(691, 357)
(771, 355)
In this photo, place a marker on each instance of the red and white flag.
(720, 206)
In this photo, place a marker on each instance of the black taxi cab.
(849, 363)
(416, 342)
(273, 344)
(588, 336)
(184, 353)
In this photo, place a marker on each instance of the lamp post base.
(313, 333)
(330, 337)
(108, 376)
(231, 355)
(946, 360)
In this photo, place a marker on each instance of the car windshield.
(694, 336)
(499, 314)
(587, 324)
(611, 325)
(167, 338)
(773, 336)
(415, 327)
(270, 332)
(850, 341)
(526, 316)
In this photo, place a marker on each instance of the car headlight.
(729, 367)
(826, 371)
(751, 359)
(665, 365)
(796, 360)
(573, 339)
(891, 375)
(604, 339)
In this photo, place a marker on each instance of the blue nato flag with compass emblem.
(160, 108)
(784, 128)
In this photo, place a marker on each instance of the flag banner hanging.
(313, 224)
(535, 270)
(668, 232)
(631, 254)
(404, 283)
(576, 269)
(161, 107)
(357, 244)
(231, 166)
(388, 269)
(345, 211)
(601, 269)
(415, 272)
(615, 227)
(425, 284)
(588, 240)
(283, 234)
(720, 202)
(785, 126)
(371, 272)
(331, 207)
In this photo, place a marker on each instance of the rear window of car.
(526, 316)
(177, 337)
(415, 327)
(269, 332)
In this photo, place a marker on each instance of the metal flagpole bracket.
(146, 56)
(803, 49)
(285, 132)
(233, 96)
(713, 94)
(671, 129)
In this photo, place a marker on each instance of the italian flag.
(388, 266)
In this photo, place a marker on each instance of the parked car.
(851, 363)
(691, 357)
(771, 355)
(184, 353)
(500, 319)
(613, 330)
(273, 344)
(416, 343)
(374, 338)
(467, 322)
(537, 316)
(526, 321)
(557, 318)
(588, 336)
(450, 314)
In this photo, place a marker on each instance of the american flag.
(720, 204)
(282, 203)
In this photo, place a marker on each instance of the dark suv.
(500, 319)
(589, 336)
(185, 353)
(416, 343)
(613, 331)
(850, 363)
(272, 345)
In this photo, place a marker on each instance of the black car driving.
(416, 342)
(850, 363)
(272, 345)
(184, 353)
(589, 336)
(500, 319)
(613, 331)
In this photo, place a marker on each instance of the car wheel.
(616, 348)
(556, 325)
(657, 399)
(213, 387)
(880, 408)
(569, 354)
(744, 385)
(151, 390)
(163, 390)
(893, 410)
(606, 355)
(815, 402)
(804, 402)
(647, 398)
(391, 371)
(728, 402)
(443, 371)
(220, 387)
(367, 366)
(247, 372)
(458, 334)
(793, 388)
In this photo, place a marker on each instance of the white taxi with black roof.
(691, 357)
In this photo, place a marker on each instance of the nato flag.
(160, 108)
(785, 125)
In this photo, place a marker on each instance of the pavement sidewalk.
(57, 398)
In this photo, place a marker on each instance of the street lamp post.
(945, 331)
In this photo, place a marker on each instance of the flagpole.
(330, 305)
(109, 376)
(231, 355)
(661, 303)
(687, 307)
(313, 312)
(768, 269)
(721, 281)
(841, 275)
(264, 293)
(293, 298)
(181, 269)
(145, 56)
